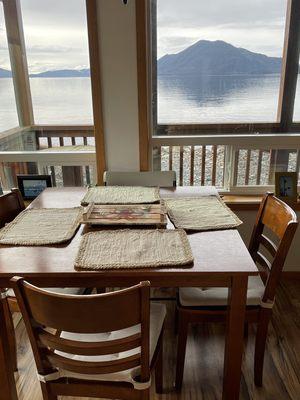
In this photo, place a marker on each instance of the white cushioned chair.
(196, 305)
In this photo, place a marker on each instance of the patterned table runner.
(121, 195)
(131, 248)
(45, 226)
(201, 214)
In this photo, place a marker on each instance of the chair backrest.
(86, 314)
(276, 219)
(148, 178)
(11, 204)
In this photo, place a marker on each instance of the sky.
(56, 34)
(257, 25)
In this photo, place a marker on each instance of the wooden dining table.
(221, 259)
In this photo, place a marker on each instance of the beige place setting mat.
(132, 248)
(121, 195)
(44, 226)
(201, 214)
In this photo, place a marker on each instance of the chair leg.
(159, 375)
(246, 330)
(11, 337)
(145, 394)
(183, 326)
(46, 393)
(260, 345)
(176, 321)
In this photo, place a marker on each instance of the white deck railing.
(235, 163)
(239, 163)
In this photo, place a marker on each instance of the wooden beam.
(142, 14)
(290, 66)
(94, 50)
(18, 60)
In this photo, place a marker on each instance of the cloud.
(257, 25)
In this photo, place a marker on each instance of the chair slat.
(112, 306)
(99, 367)
(262, 260)
(269, 245)
(90, 348)
(277, 215)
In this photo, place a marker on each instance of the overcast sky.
(56, 36)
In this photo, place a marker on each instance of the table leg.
(234, 338)
(8, 389)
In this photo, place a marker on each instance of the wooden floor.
(203, 371)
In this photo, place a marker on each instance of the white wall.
(293, 259)
(117, 38)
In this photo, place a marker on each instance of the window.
(8, 109)
(218, 61)
(57, 53)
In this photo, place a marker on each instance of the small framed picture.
(286, 186)
(32, 185)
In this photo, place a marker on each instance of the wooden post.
(93, 35)
(290, 66)
(18, 60)
(289, 76)
(142, 14)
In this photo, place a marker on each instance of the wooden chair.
(11, 204)
(107, 346)
(196, 305)
(148, 178)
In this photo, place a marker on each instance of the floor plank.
(204, 361)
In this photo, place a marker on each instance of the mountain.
(217, 58)
(63, 73)
(4, 73)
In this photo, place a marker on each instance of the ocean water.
(220, 99)
(215, 99)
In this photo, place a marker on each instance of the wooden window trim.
(290, 66)
(94, 53)
(18, 61)
(142, 10)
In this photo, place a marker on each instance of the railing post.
(18, 60)
(229, 167)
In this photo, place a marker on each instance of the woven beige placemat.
(36, 227)
(133, 248)
(121, 195)
(201, 214)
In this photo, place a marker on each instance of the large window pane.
(57, 52)
(8, 109)
(219, 61)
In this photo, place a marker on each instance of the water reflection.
(217, 98)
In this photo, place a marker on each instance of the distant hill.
(4, 73)
(63, 73)
(217, 58)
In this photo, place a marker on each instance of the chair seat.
(77, 291)
(204, 297)
(157, 317)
